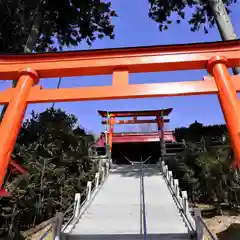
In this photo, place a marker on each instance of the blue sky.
(134, 28)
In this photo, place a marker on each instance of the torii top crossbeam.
(144, 113)
(106, 61)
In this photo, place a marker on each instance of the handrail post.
(166, 168)
(77, 204)
(170, 174)
(89, 189)
(176, 188)
(185, 202)
(100, 163)
(143, 202)
(107, 168)
(198, 224)
(97, 179)
(58, 226)
(103, 174)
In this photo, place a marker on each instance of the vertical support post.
(13, 117)
(228, 99)
(166, 167)
(159, 127)
(107, 168)
(89, 190)
(198, 224)
(106, 139)
(100, 164)
(162, 166)
(120, 78)
(110, 137)
(97, 179)
(171, 179)
(57, 228)
(77, 204)
(103, 174)
(176, 188)
(185, 202)
(160, 124)
(163, 146)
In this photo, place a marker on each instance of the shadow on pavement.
(135, 170)
(231, 233)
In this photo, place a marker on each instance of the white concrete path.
(115, 212)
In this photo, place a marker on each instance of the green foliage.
(209, 176)
(57, 23)
(202, 16)
(206, 170)
(196, 131)
(55, 151)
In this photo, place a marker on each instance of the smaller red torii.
(14, 168)
(112, 115)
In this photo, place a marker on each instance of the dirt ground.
(39, 235)
(224, 227)
(39, 231)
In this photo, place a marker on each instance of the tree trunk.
(31, 41)
(224, 23)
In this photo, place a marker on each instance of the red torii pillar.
(12, 120)
(160, 124)
(110, 134)
(228, 99)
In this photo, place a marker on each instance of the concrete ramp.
(115, 212)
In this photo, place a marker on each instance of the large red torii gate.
(28, 68)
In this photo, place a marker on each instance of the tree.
(50, 25)
(207, 173)
(196, 131)
(207, 14)
(55, 151)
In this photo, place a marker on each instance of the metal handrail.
(142, 194)
(84, 193)
(181, 202)
(92, 187)
(199, 225)
(59, 225)
(143, 202)
(46, 233)
(59, 220)
(133, 162)
(70, 219)
(92, 193)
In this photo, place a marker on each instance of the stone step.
(167, 236)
